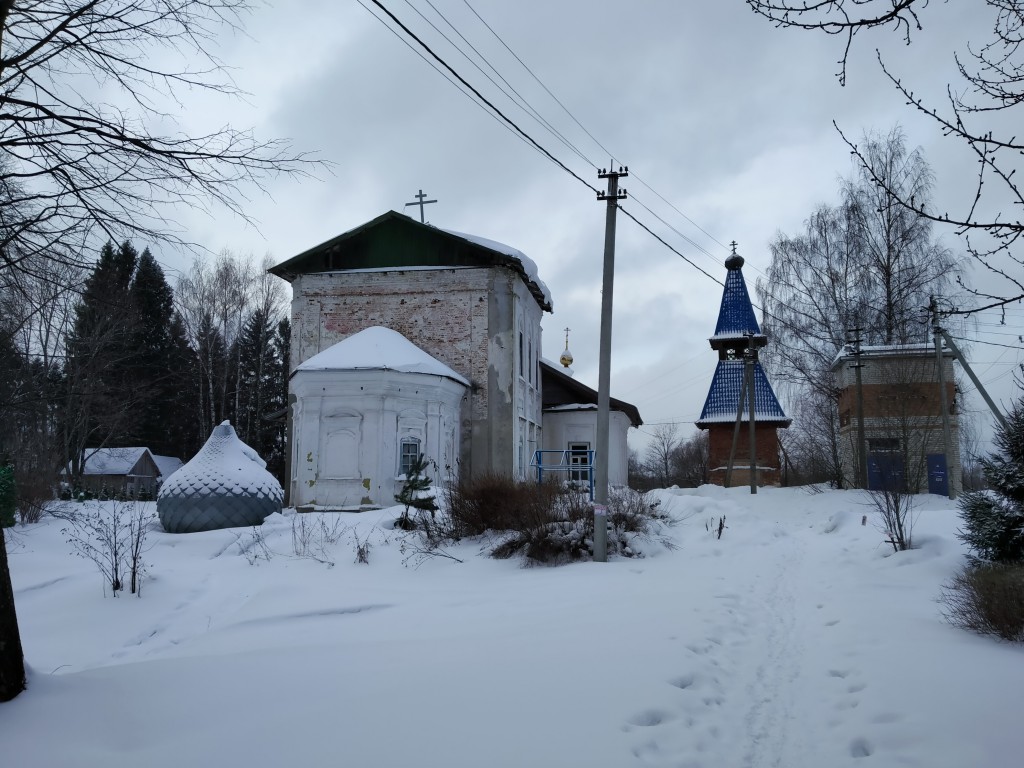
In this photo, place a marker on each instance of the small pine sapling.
(415, 494)
(994, 519)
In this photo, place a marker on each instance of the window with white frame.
(579, 456)
(409, 454)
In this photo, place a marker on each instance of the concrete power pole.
(947, 440)
(862, 443)
(751, 394)
(605, 364)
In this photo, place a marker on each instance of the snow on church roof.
(529, 265)
(378, 348)
(722, 401)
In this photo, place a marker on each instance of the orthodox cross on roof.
(566, 358)
(421, 202)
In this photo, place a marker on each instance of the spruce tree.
(278, 399)
(255, 379)
(414, 493)
(994, 519)
(99, 395)
(149, 368)
(184, 431)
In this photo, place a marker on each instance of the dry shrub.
(631, 511)
(34, 493)
(495, 502)
(987, 598)
(545, 523)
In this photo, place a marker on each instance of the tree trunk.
(12, 659)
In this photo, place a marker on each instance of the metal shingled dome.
(225, 485)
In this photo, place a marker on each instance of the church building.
(410, 339)
(738, 334)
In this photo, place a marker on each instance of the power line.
(541, 83)
(437, 69)
(523, 103)
(989, 343)
(584, 128)
(483, 98)
(660, 240)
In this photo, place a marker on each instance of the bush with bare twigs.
(113, 537)
(987, 598)
(545, 523)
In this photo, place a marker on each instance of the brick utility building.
(903, 426)
(736, 327)
(410, 339)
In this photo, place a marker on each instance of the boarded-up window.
(339, 457)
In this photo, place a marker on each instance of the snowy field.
(798, 640)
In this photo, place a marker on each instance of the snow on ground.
(797, 640)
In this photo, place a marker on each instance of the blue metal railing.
(568, 461)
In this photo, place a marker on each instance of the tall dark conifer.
(149, 368)
(255, 360)
(98, 395)
(281, 344)
(182, 417)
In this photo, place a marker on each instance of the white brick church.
(408, 339)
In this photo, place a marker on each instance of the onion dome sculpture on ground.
(225, 485)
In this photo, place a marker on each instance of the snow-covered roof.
(168, 465)
(722, 400)
(889, 350)
(379, 348)
(112, 461)
(573, 407)
(529, 265)
(371, 245)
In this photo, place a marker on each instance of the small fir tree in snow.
(415, 493)
(994, 519)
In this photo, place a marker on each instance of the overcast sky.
(710, 106)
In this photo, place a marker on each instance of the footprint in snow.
(861, 747)
(840, 673)
(683, 681)
(649, 718)
(831, 623)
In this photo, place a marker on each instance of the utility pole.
(977, 382)
(751, 364)
(736, 430)
(947, 440)
(862, 443)
(604, 377)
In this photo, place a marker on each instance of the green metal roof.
(397, 241)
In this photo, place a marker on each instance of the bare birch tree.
(978, 114)
(866, 267)
(83, 83)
